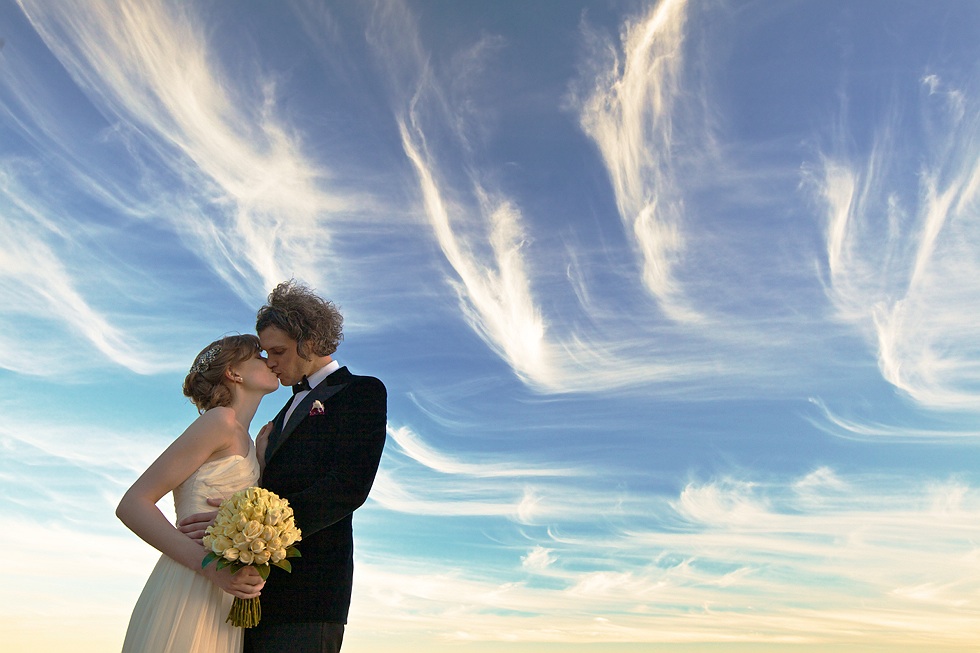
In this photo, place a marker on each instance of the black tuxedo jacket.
(324, 465)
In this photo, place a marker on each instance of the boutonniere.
(317, 408)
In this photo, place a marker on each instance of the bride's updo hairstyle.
(205, 383)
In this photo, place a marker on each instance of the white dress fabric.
(181, 611)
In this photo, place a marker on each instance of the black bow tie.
(304, 384)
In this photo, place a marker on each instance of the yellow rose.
(239, 540)
(277, 554)
(262, 557)
(257, 545)
(220, 544)
(272, 517)
(252, 530)
(246, 557)
(231, 554)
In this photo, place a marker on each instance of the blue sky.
(675, 303)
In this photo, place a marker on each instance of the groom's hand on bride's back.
(193, 526)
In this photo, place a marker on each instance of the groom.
(321, 453)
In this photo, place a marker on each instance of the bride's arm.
(210, 434)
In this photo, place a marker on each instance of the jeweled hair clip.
(204, 361)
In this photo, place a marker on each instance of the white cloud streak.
(722, 561)
(253, 199)
(495, 297)
(418, 479)
(416, 448)
(630, 117)
(904, 271)
(37, 287)
(487, 240)
(863, 429)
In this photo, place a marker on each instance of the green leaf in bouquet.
(263, 571)
(293, 552)
(225, 562)
(209, 558)
(284, 565)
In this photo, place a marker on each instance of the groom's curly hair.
(313, 322)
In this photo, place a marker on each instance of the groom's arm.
(194, 526)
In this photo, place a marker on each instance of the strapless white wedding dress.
(181, 611)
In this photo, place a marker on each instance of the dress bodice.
(218, 479)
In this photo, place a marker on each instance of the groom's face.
(282, 357)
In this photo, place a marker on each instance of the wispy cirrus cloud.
(45, 302)
(718, 548)
(250, 197)
(488, 239)
(901, 266)
(704, 561)
(416, 448)
(858, 427)
(630, 115)
(419, 479)
(494, 292)
(480, 230)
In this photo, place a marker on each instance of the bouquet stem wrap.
(245, 613)
(254, 527)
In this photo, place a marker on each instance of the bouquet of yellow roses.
(253, 527)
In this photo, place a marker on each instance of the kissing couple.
(320, 453)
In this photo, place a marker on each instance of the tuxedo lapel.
(322, 392)
(280, 416)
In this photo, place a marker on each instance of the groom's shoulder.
(367, 384)
(368, 381)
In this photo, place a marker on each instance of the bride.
(183, 607)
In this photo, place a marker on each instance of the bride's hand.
(246, 583)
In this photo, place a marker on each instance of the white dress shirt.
(314, 380)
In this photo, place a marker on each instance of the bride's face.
(282, 357)
(256, 373)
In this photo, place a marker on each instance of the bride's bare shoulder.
(218, 429)
(219, 422)
(219, 416)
